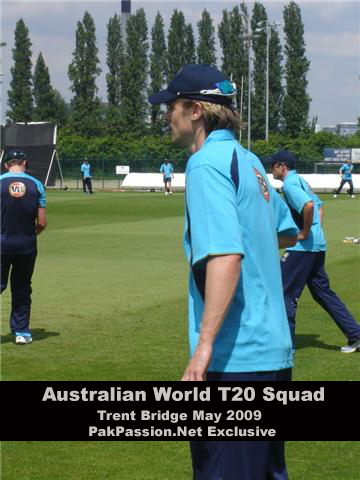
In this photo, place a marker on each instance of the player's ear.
(197, 111)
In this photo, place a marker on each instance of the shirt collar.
(290, 174)
(220, 135)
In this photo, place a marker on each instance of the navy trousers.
(239, 459)
(342, 183)
(307, 268)
(22, 268)
(87, 184)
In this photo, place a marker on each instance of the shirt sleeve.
(284, 221)
(319, 202)
(296, 196)
(161, 168)
(342, 168)
(213, 224)
(42, 197)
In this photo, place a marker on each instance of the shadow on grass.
(37, 334)
(308, 340)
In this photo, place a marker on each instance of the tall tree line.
(145, 61)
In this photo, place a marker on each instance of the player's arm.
(321, 214)
(41, 221)
(341, 171)
(286, 241)
(308, 216)
(222, 276)
(287, 231)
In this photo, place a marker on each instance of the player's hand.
(198, 365)
(301, 236)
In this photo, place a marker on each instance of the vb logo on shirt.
(17, 189)
(263, 185)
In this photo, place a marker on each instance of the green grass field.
(109, 303)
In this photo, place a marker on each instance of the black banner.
(178, 410)
(37, 141)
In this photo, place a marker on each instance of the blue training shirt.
(346, 170)
(21, 196)
(166, 169)
(297, 193)
(232, 209)
(85, 168)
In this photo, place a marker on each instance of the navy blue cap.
(15, 154)
(197, 82)
(283, 156)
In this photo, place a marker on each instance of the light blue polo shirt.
(85, 168)
(346, 170)
(232, 209)
(166, 169)
(297, 193)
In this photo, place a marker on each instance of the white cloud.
(345, 44)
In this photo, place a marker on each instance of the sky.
(332, 38)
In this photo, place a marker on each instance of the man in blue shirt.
(304, 264)
(234, 223)
(23, 217)
(167, 170)
(86, 177)
(346, 177)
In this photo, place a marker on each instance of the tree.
(190, 49)
(115, 62)
(258, 100)
(20, 98)
(295, 108)
(206, 45)
(44, 98)
(276, 91)
(233, 38)
(157, 68)
(135, 71)
(83, 71)
(176, 44)
(61, 109)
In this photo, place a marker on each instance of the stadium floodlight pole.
(266, 24)
(267, 84)
(241, 105)
(2, 44)
(268, 31)
(248, 34)
(249, 92)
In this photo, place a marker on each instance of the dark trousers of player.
(22, 268)
(307, 268)
(87, 184)
(239, 459)
(342, 183)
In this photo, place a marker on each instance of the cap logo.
(226, 87)
(17, 189)
(262, 184)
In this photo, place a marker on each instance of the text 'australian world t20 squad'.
(169, 394)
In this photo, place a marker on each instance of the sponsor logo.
(17, 189)
(263, 185)
(285, 256)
